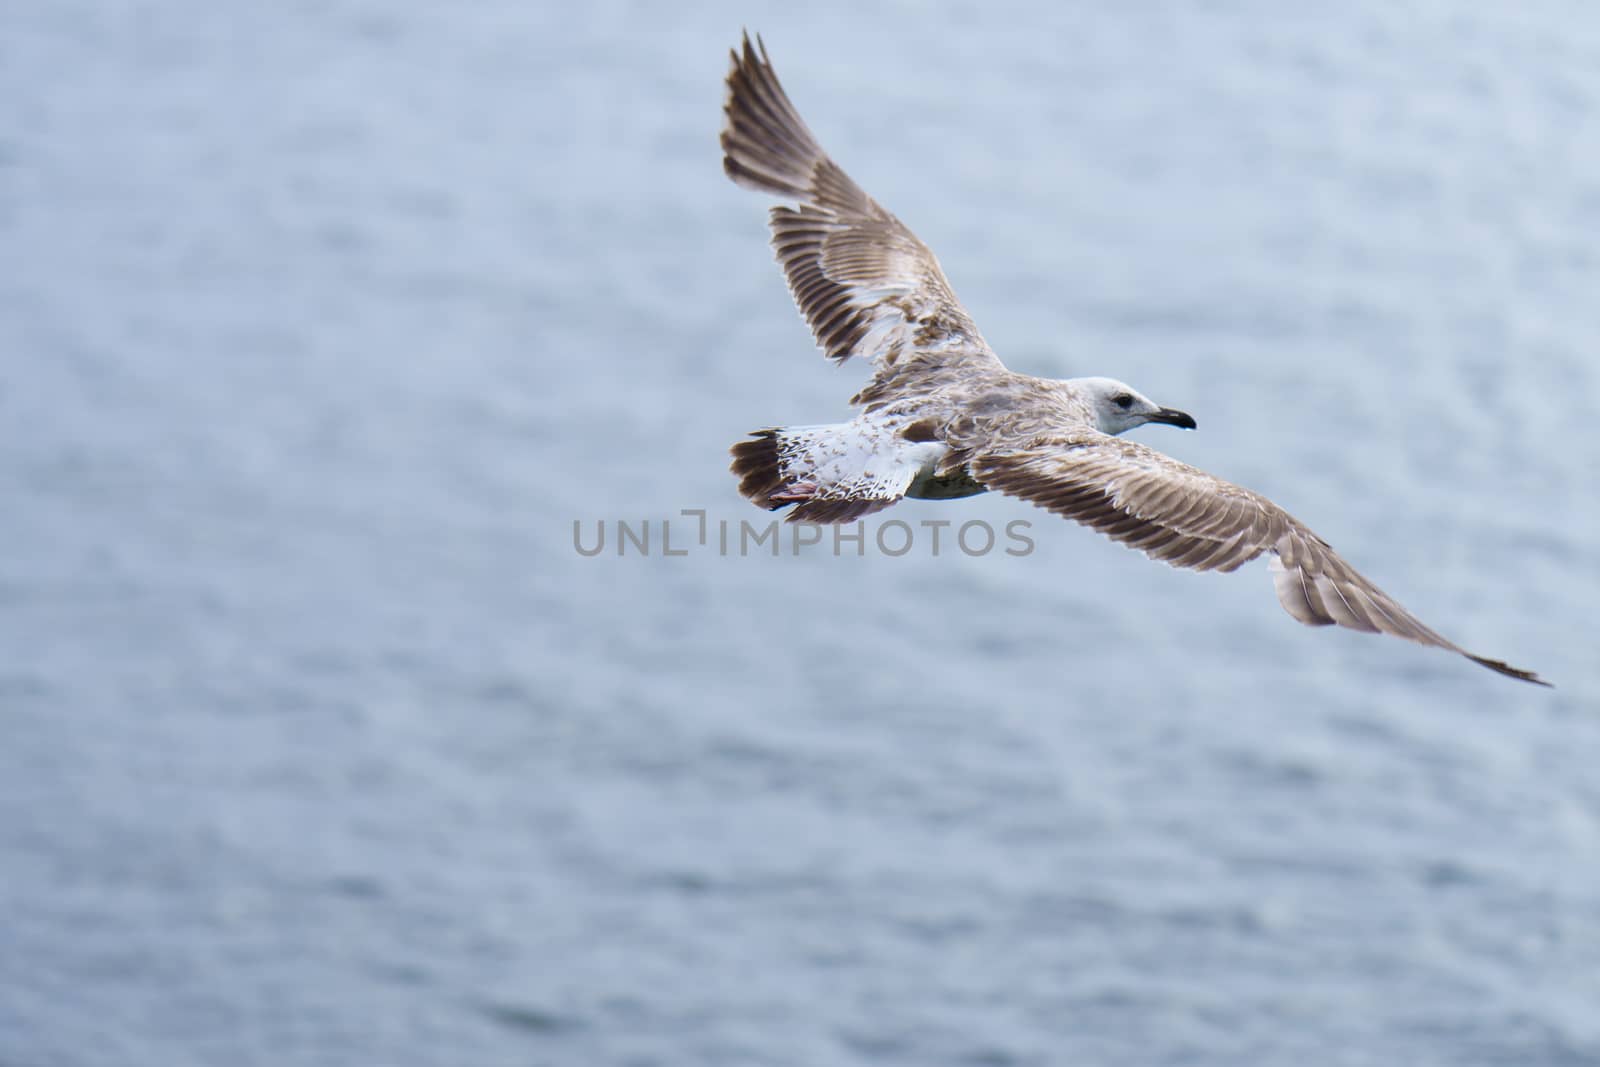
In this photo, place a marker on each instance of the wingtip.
(1502, 667)
(754, 52)
(745, 56)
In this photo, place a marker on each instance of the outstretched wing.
(865, 283)
(1184, 516)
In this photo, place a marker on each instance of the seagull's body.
(942, 417)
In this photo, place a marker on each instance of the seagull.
(941, 417)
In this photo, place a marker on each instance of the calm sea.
(322, 324)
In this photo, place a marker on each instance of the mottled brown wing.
(864, 282)
(1183, 516)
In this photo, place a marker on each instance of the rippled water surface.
(321, 324)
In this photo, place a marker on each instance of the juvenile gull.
(942, 417)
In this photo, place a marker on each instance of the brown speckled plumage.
(942, 416)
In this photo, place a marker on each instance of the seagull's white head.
(1117, 407)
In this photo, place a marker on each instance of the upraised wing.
(864, 282)
(1183, 516)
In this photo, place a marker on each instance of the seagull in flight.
(942, 417)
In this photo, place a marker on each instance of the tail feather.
(760, 473)
(831, 474)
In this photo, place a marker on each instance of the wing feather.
(863, 281)
(1183, 516)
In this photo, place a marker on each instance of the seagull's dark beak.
(1174, 417)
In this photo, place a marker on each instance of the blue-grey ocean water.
(322, 323)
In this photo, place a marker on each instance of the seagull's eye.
(1123, 401)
